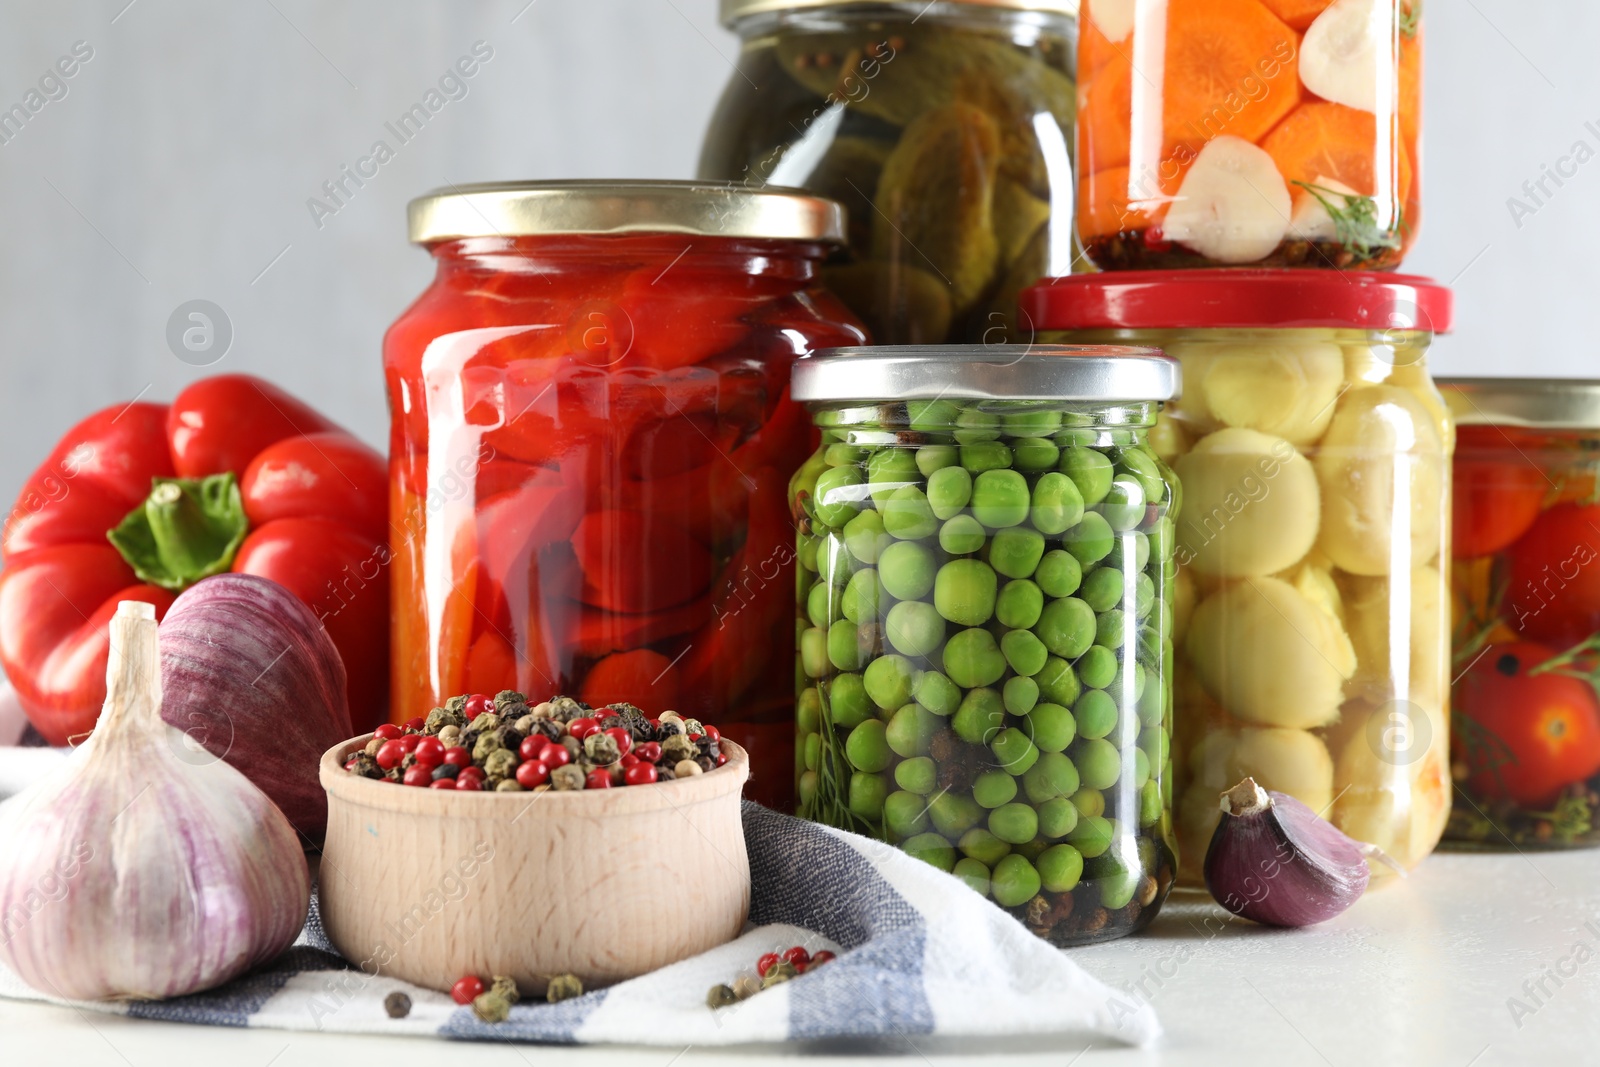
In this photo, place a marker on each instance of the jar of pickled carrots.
(1526, 591)
(1310, 603)
(945, 128)
(591, 438)
(1265, 132)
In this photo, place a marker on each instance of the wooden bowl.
(607, 884)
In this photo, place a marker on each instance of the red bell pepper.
(139, 501)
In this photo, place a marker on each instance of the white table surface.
(1418, 973)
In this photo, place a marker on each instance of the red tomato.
(1554, 596)
(1549, 725)
(1495, 502)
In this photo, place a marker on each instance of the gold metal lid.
(734, 10)
(709, 209)
(1540, 403)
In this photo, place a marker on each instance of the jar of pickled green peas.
(984, 669)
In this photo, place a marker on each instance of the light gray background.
(179, 163)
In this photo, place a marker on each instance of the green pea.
(1144, 597)
(813, 751)
(974, 425)
(979, 844)
(953, 814)
(817, 606)
(992, 788)
(1123, 506)
(1154, 743)
(888, 681)
(807, 786)
(1015, 552)
(949, 490)
(804, 480)
(1149, 803)
(1030, 422)
(1025, 653)
(1122, 687)
(1019, 604)
(1052, 727)
(1116, 877)
(806, 548)
(964, 591)
(1014, 823)
(808, 710)
(814, 652)
(837, 497)
(1089, 801)
(1152, 706)
(1141, 768)
(1034, 454)
(1102, 588)
(1000, 498)
(906, 570)
(1056, 505)
(862, 595)
(1160, 539)
(971, 659)
(916, 775)
(867, 749)
(1060, 867)
(835, 565)
(1020, 693)
(867, 795)
(848, 705)
(905, 814)
(1089, 470)
(1092, 836)
(1057, 818)
(910, 731)
(932, 416)
(936, 692)
(1067, 627)
(1090, 541)
(1053, 777)
(914, 628)
(1013, 751)
(932, 849)
(1145, 467)
(985, 456)
(844, 645)
(889, 470)
(962, 535)
(1058, 682)
(1014, 882)
(974, 873)
(1097, 667)
(1099, 762)
(1110, 629)
(864, 536)
(1059, 573)
(1129, 552)
(840, 454)
(906, 514)
(980, 716)
(932, 458)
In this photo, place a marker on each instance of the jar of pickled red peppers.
(1310, 602)
(1265, 132)
(1526, 592)
(591, 441)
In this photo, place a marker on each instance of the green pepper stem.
(185, 530)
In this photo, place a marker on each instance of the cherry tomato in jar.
(1554, 594)
(1540, 732)
(1495, 500)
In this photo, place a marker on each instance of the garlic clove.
(1275, 861)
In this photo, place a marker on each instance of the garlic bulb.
(144, 868)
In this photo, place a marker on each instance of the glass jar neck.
(918, 422)
(685, 254)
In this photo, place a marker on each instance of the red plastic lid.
(1178, 299)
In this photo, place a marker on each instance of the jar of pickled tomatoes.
(1266, 132)
(1310, 606)
(1526, 592)
(590, 446)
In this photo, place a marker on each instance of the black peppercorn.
(445, 770)
(397, 1004)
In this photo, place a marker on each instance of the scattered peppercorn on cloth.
(919, 953)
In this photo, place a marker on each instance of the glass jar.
(1526, 638)
(591, 435)
(984, 654)
(945, 130)
(1268, 132)
(1309, 602)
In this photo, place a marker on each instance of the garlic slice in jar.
(1233, 205)
(1287, 761)
(1375, 611)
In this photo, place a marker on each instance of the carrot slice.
(1410, 126)
(1108, 204)
(1095, 49)
(1299, 14)
(1229, 69)
(1321, 141)
(1105, 115)
(641, 677)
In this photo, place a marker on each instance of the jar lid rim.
(694, 208)
(1540, 403)
(732, 11)
(985, 372)
(1275, 298)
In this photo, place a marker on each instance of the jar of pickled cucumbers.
(984, 668)
(1309, 602)
(944, 128)
(1269, 132)
(1526, 592)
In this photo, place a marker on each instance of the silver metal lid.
(1545, 403)
(707, 209)
(732, 11)
(986, 372)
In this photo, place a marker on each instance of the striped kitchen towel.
(919, 953)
